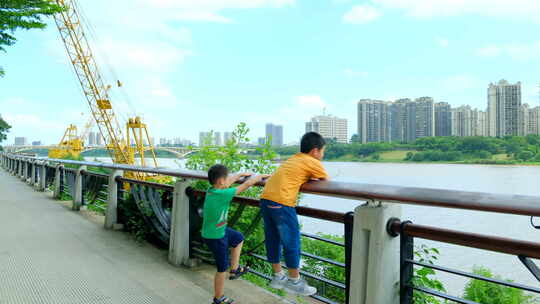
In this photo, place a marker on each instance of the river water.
(480, 178)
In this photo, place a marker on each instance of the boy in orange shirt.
(278, 202)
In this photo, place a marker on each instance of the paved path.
(50, 254)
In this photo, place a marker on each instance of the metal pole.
(406, 268)
(349, 222)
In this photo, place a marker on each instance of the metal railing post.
(111, 215)
(375, 256)
(43, 177)
(78, 199)
(406, 269)
(348, 235)
(179, 239)
(58, 181)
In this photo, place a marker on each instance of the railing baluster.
(406, 268)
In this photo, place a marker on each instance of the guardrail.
(375, 258)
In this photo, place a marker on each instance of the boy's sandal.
(223, 300)
(240, 271)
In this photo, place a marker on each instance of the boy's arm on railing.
(250, 182)
(235, 178)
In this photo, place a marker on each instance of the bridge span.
(180, 152)
(59, 253)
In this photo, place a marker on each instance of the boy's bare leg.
(276, 268)
(294, 273)
(219, 284)
(235, 256)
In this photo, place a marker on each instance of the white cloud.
(311, 101)
(442, 42)
(158, 56)
(516, 51)
(352, 73)
(498, 8)
(361, 14)
(461, 82)
(489, 51)
(209, 10)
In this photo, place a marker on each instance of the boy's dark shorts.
(220, 247)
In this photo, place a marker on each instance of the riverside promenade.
(52, 255)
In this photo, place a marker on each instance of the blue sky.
(190, 66)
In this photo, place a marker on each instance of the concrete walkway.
(50, 254)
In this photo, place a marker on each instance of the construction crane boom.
(87, 71)
(121, 149)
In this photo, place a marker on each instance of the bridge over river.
(59, 252)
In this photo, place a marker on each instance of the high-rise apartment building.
(480, 123)
(534, 120)
(523, 120)
(398, 120)
(227, 136)
(330, 127)
(21, 141)
(217, 139)
(205, 139)
(443, 119)
(373, 121)
(91, 139)
(462, 121)
(99, 140)
(210, 139)
(504, 102)
(274, 133)
(425, 117)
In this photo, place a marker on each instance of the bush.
(525, 155)
(409, 156)
(490, 293)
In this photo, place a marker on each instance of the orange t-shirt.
(284, 185)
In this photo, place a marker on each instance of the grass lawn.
(503, 156)
(394, 155)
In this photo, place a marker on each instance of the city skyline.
(406, 120)
(289, 71)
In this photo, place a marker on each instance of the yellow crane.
(72, 144)
(121, 147)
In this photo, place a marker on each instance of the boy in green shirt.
(217, 236)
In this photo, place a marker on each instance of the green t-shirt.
(215, 212)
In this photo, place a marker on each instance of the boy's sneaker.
(300, 287)
(278, 281)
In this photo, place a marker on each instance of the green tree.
(22, 14)
(4, 128)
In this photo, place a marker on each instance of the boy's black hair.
(216, 172)
(310, 141)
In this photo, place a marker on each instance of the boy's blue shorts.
(220, 247)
